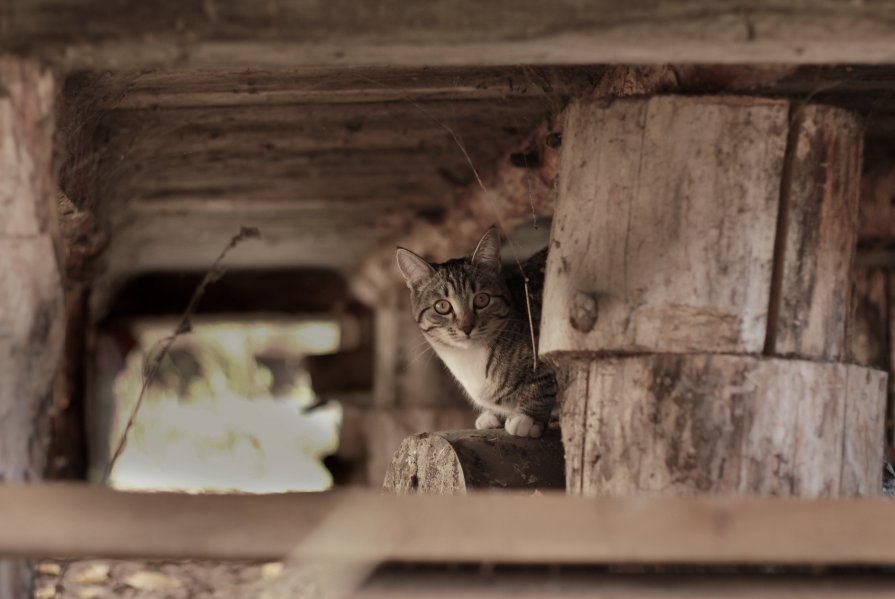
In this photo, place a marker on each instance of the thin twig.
(154, 362)
(216, 271)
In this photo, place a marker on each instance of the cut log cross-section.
(32, 312)
(456, 462)
(697, 300)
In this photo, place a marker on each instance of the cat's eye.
(481, 300)
(443, 307)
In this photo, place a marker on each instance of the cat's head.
(462, 302)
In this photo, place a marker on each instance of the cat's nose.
(467, 327)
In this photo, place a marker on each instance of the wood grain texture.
(77, 520)
(868, 327)
(32, 311)
(83, 33)
(819, 201)
(718, 424)
(534, 583)
(387, 427)
(665, 224)
(456, 462)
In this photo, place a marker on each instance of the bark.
(456, 462)
(818, 231)
(32, 311)
(697, 242)
(720, 424)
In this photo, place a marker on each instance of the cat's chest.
(468, 367)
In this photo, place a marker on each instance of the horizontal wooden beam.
(210, 33)
(399, 583)
(80, 521)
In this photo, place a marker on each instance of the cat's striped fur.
(474, 315)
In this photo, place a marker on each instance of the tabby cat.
(474, 315)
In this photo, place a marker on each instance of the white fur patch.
(487, 420)
(468, 367)
(521, 425)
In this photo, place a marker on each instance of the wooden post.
(455, 462)
(32, 311)
(697, 298)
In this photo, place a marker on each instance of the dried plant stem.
(154, 361)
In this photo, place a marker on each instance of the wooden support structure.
(242, 33)
(688, 229)
(87, 521)
(32, 310)
(407, 583)
(456, 462)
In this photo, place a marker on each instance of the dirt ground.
(102, 579)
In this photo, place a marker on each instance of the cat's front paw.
(487, 420)
(522, 425)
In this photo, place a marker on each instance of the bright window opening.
(231, 409)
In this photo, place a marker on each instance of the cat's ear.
(416, 271)
(487, 252)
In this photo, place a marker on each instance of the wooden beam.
(202, 33)
(80, 521)
(401, 583)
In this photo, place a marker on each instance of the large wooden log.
(32, 311)
(453, 462)
(691, 227)
(685, 424)
(670, 247)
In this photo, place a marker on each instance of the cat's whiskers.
(425, 351)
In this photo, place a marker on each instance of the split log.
(662, 246)
(32, 311)
(689, 424)
(686, 228)
(456, 462)
(868, 329)
(817, 229)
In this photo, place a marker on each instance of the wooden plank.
(670, 243)
(79, 521)
(84, 33)
(457, 462)
(686, 424)
(819, 203)
(401, 583)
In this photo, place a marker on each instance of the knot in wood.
(583, 311)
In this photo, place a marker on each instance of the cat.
(474, 316)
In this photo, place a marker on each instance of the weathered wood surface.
(83, 33)
(665, 246)
(868, 329)
(687, 424)
(455, 462)
(817, 234)
(533, 583)
(387, 427)
(32, 311)
(737, 237)
(511, 528)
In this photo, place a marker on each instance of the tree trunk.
(459, 461)
(686, 424)
(32, 311)
(696, 243)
